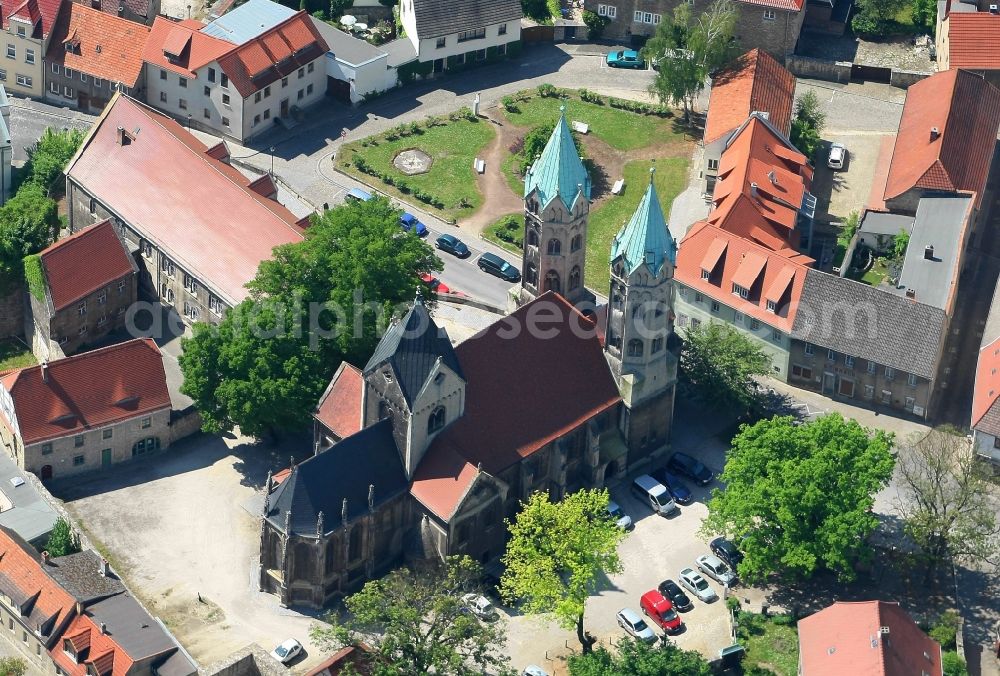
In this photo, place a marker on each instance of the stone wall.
(820, 69)
(904, 78)
(250, 661)
(12, 312)
(183, 424)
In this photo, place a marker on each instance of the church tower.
(556, 208)
(640, 324)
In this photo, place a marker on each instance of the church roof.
(412, 346)
(559, 170)
(645, 238)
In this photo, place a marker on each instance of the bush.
(783, 620)
(733, 603)
(945, 629)
(595, 24)
(545, 90)
(35, 276)
(509, 104)
(953, 664)
(510, 229)
(591, 97)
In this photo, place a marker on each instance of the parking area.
(841, 191)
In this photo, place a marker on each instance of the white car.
(534, 670)
(635, 626)
(698, 585)
(287, 651)
(479, 606)
(838, 156)
(715, 568)
(623, 520)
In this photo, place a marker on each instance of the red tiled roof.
(340, 406)
(848, 638)
(443, 478)
(270, 56)
(88, 390)
(357, 657)
(755, 82)
(965, 109)
(21, 569)
(742, 259)
(787, 5)
(876, 196)
(82, 263)
(760, 187)
(35, 11)
(110, 48)
(196, 48)
(99, 651)
(199, 210)
(985, 413)
(973, 40)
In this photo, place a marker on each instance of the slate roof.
(339, 408)
(445, 17)
(941, 223)
(973, 39)
(847, 638)
(80, 575)
(96, 651)
(132, 628)
(109, 48)
(194, 48)
(874, 324)
(645, 238)
(411, 347)
(755, 82)
(247, 21)
(559, 171)
(965, 109)
(78, 265)
(321, 483)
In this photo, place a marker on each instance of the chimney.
(994, 9)
(774, 177)
(935, 132)
(103, 568)
(104, 628)
(753, 190)
(45, 371)
(124, 138)
(45, 558)
(911, 293)
(929, 252)
(95, 4)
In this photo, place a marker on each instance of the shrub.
(510, 229)
(509, 104)
(414, 128)
(945, 628)
(591, 97)
(595, 24)
(953, 664)
(545, 90)
(35, 276)
(783, 620)
(403, 187)
(388, 179)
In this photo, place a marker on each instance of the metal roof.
(558, 171)
(645, 238)
(939, 223)
(248, 21)
(30, 516)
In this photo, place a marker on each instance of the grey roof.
(400, 51)
(31, 516)
(80, 575)
(445, 17)
(247, 21)
(324, 481)
(132, 628)
(346, 47)
(411, 347)
(940, 223)
(871, 323)
(881, 223)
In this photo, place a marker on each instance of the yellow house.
(26, 37)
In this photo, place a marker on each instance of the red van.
(660, 611)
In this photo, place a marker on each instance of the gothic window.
(354, 547)
(531, 274)
(303, 562)
(554, 247)
(383, 410)
(331, 558)
(576, 243)
(532, 237)
(552, 281)
(635, 348)
(574, 278)
(436, 420)
(657, 345)
(533, 206)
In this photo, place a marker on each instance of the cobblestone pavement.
(898, 52)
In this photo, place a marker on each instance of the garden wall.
(821, 69)
(12, 312)
(904, 78)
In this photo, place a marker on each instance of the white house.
(354, 67)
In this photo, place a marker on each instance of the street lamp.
(272, 160)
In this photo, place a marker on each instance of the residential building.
(964, 34)
(354, 68)
(92, 55)
(86, 412)
(445, 35)
(878, 231)
(985, 422)
(202, 234)
(770, 25)
(26, 513)
(236, 76)
(865, 637)
(140, 11)
(357, 657)
(946, 138)
(28, 26)
(6, 146)
(755, 83)
(84, 286)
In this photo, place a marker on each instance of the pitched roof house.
(140, 11)
(449, 34)
(29, 24)
(966, 38)
(866, 637)
(755, 82)
(985, 422)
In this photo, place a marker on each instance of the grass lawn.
(509, 169)
(453, 146)
(490, 234)
(770, 644)
(613, 214)
(14, 355)
(620, 129)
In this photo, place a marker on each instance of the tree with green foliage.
(952, 664)
(723, 365)
(946, 500)
(807, 124)
(557, 554)
(48, 157)
(28, 222)
(876, 17)
(900, 242)
(415, 622)
(13, 666)
(537, 10)
(534, 144)
(62, 540)
(799, 497)
(595, 24)
(314, 304)
(923, 13)
(638, 658)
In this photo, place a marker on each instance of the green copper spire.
(645, 238)
(558, 170)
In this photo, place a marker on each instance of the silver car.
(698, 585)
(635, 626)
(838, 156)
(715, 568)
(623, 520)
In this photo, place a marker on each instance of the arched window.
(532, 237)
(635, 348)
(552, 281)
(436, 420)
(354, 546)
(554, 247)
(657, 345)
(575, 243)
(574, 278)
(531, 274)
(383, 410)
(533, 206)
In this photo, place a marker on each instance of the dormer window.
(705, 274)
(387, 375)
(438, 379)
(740, 291)
(436, 420)
(21, 31)
(770, 306)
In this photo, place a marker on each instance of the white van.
(654, 494)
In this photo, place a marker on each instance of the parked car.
(479, 606)
(287, 651)
(838, 156)
(697, 585)
(676, 595)
(498, 267)
(437, 286)
(716, 568)
(678, 489)
(452, 245)
(726, 551)
(684, 464)
(635, 626)
(625, 58)
(661, 611)
(652, 493)
(410, 223)
(534, 670)
(623, 520)
(358, 195)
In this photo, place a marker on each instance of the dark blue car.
(409, 222)
(677, 488)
